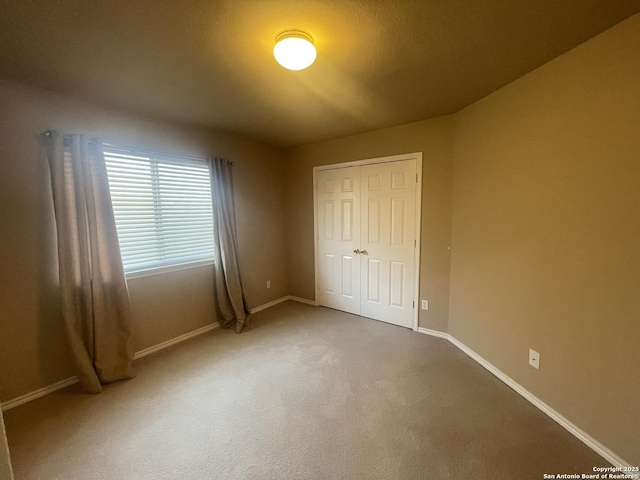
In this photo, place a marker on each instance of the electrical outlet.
(534, 359)
(425, 304)
(268, 283)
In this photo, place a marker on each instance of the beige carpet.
(305, 393)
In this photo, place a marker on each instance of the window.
(162, 207)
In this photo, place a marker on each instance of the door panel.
(396, 283)
(373, 280)
(338, 236)
(388, 233)
(346, 211)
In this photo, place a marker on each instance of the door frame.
(417, 156)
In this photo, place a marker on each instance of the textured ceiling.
(209, 63)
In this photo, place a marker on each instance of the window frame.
(155, 157)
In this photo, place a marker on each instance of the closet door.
(388, 234)
(338, 203)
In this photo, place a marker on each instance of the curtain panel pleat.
(228, 284)
(95, 297)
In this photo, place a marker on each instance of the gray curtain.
(228, 283)
(95, 299)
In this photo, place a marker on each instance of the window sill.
(169, 269)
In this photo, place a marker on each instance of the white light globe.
(294, 51)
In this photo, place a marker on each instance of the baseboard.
(433, 333)
(572, 428)
(280, 300)
(173, 341)
(38, 393)
(72, 380)
(268, 305)
(302, 300)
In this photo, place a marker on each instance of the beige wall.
(546, 234)
(431, 137)
(32, 346)
(5, 462)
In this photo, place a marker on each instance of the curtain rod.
(48, 133)
(154, 152)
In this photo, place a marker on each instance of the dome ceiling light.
(294, 49)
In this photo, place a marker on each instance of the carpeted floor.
(305, 393)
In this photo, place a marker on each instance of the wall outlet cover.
(425, 304)
(534, 359)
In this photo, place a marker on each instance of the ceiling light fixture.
(294, 49)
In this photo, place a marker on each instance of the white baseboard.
(572, 428)
(173, 341)
(280, 300)
(41, 392)
(268, 305)
(302, 300)
(72, 380)
(433, 333)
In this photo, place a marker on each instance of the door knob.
(364, 252)
(357, 251)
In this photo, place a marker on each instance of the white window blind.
(162, 207)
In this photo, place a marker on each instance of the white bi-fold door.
(366, 248)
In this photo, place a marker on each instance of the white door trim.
(417, 156)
